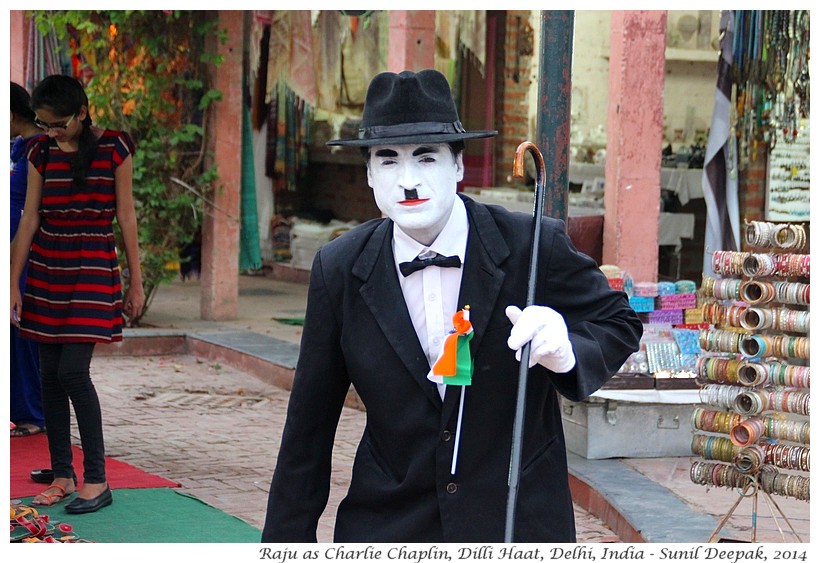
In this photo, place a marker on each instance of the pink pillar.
(634, 142)
(412, 40)
(220, 233)
(18, 24)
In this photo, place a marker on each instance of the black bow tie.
(408, 268)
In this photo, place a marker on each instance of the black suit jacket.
(358, 331)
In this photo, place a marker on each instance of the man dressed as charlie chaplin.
(400, 304)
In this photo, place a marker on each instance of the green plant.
(147, 72)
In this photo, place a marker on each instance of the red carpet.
(32, 453)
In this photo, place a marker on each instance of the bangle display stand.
(753, 432)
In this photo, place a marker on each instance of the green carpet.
(297, 321)
(155, 516)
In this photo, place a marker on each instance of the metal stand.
(754, 486)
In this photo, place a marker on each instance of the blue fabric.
(25, 395)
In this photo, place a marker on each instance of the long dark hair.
(21, 103)
(64, 95)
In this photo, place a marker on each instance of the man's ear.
(369, 177)
(459, 159)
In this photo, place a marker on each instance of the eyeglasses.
(47, 126)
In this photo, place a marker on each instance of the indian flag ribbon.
(454, 365)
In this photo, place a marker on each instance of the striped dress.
(74, 293)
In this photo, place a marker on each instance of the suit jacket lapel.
(382, 294)
(480, 285)
(480, 282)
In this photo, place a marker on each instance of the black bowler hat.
(410, 108)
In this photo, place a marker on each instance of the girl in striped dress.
(79, 180)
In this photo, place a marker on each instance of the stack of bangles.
(770, 479)
(718, 422)
(751, 457)
(749, 460)
(759, 318)
(718, 475)
(747, 432)
(728, 262)
(780, 399)
(787, 236)
(718, 395)
(719, 370)
(780, 265)
(714, 447)
(778, 428)
(758, 292)
(783, 484)
(756, 346)
(787, 456)
(716, 340)
(774, 427)
(758, 265)
(721, 288)
(752, 373)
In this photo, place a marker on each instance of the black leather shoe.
(84, 505)
(45, 476)
(42, 475)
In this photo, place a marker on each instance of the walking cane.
(523, 371)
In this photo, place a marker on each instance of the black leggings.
(65, 374)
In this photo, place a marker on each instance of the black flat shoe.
(45, 476)
(85, 505)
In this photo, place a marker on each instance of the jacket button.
(452, 488)
(446, 435)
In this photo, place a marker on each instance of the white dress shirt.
(431, 294)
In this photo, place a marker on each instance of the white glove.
(546, 331)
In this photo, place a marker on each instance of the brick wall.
(752, 187)
(340, 188)
(512, 85)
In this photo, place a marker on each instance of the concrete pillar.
(221, 225)
(412, 40)
(19, 24)
(634, 142)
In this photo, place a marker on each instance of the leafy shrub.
(148, 73)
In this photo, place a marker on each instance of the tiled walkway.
(215, 430)
(214, 425)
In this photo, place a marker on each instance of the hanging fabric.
(770, 77)
(260, 23)
(250, 256)
(289, 131)
(301, 71)
(720, 166)
(328, 33)
(44, 56)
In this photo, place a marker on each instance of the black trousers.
(65, 376)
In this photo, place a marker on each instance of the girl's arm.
(134, 297)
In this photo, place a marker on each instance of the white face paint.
(415, 185)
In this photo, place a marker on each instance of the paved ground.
(214, 428)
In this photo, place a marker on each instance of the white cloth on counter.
(666, 396)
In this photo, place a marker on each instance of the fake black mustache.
(411, 194)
